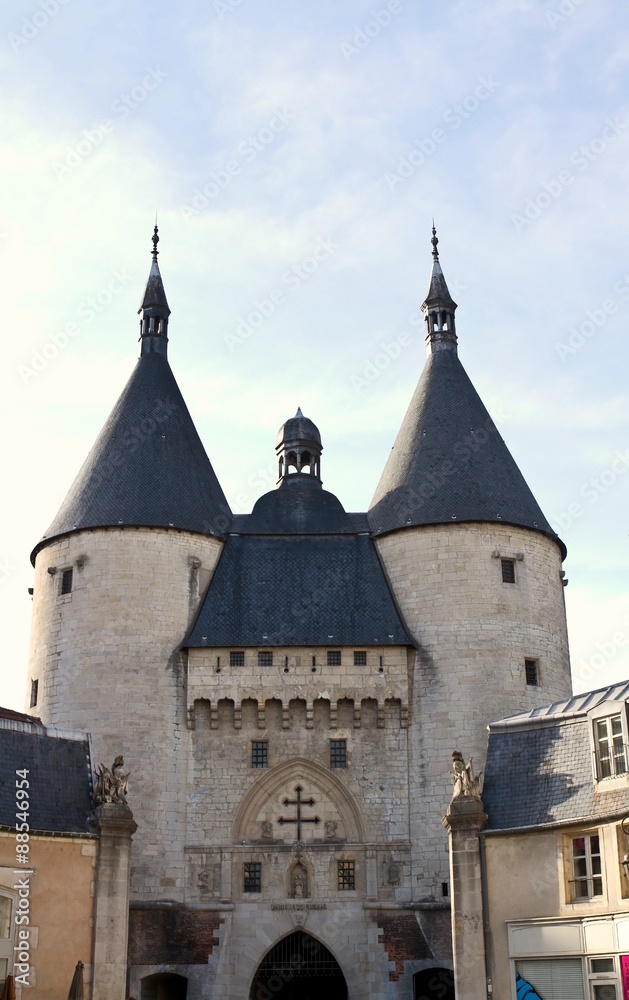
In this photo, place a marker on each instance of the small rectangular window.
(259, 753)
(611, 752)
(66, 582)
(360, 658)
(334, 657)
(532, 672)
(236, 658)
(346, 875)
(265, 658)
(34, 689)
(587, 878)
(508, 570)
(338, 753)
(252, 877)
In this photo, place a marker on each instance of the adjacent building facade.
(287, 685)
(551, 890)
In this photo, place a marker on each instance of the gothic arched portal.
(299, 968)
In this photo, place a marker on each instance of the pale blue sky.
(264, 133)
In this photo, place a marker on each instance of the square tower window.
(531, 670)
(259, 753)
(66, 582)
(508, 570)
(252, 877)
(346, 875)
(265, 658)
(360, 658)
(338, 753)
(334, 657)
(237, 658)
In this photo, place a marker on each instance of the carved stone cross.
(299, 819)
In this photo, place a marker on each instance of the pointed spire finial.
(434, 241)
(299, 413)
(155, 240)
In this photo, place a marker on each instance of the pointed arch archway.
(311, 775)
(299, 967)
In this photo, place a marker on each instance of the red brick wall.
(402, 938)
(171, 935)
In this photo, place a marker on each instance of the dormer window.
(610, 746)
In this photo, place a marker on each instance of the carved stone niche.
(299, 882)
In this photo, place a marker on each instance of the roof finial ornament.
(155, 239)
(434, 241)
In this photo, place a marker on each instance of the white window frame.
(618, 777)
(6, 944)
(592, 877)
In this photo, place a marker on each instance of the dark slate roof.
(148, 466)
(59, 779)
(449, 462)
(298, 590)
(298, 506)
(539, 768)
(154, 294)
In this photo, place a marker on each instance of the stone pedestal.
(464, 820)
(116, 826)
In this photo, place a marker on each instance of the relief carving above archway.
(298, 801)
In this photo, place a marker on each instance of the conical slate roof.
(148, 467)
(449, 462)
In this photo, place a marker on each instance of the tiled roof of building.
(449, 463)
(298, 590)
(540, 768)
(59, 776)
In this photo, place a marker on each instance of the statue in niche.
(393, 873)
(299, 882)
(267, 829)
(466, 783)
(203, 881)
(330, 829)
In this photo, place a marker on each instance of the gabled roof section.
(298, 590)
(539, 770)
(148, 467)
(449, 462)
(59, 776)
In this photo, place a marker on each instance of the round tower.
(476, 571)
(118, 580)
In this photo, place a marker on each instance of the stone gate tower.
(287, 685)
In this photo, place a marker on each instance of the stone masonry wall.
(106, 660)
(474, 633)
